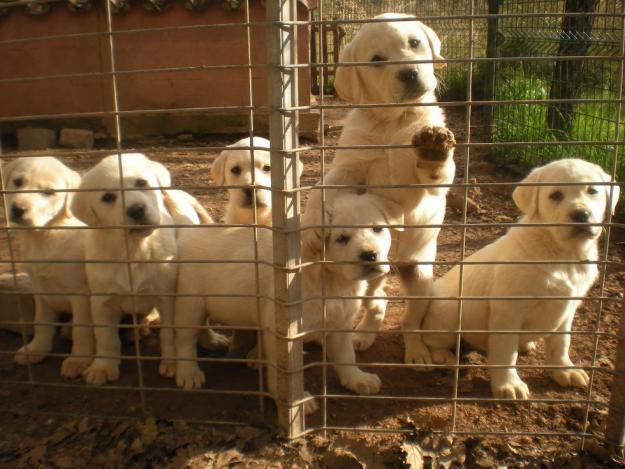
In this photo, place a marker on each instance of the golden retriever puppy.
(585, 202)
(428, 160)
(141, 210)
(41, 211)
(358, 255)
(233, 167)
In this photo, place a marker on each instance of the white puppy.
(42, 211)
(361, 246)
(582, 203)
(234, 168)
(143, 211)
(429, 161)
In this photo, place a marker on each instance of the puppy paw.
(362, 382)
(189, 376)
(167, 368)
(29, 354)
(213, 341)
(513, 389)
(434, 143)
(101, 371)
(443, 357)
(528, 347)
(72, 367)
(417, 353)
(571, 378)
(362, 341)
(310, 406)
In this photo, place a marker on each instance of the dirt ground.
(57, 423)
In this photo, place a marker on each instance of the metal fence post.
(615, 430)
(491, 68)
(282, 93)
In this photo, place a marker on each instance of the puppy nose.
(369, 256)
(248, 192)
(17, 212)
(136, 212)
(580, 216)
(408, 75)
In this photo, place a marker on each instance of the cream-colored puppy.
(41, 211)
(586, 202)
(145, 208)
(419, 123)
(360, 255)
(233, 167)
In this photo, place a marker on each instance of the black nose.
(248, 193)
(368, 256)
(136, 212)
(408, 75)
(580, 216)
(17, 212)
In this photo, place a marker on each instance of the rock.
(32, 138)
(77, 138)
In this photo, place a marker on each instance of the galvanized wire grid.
(283, 110)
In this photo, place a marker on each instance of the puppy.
(585, 202)
(142, 212)
(366, 248)
(234, 168)
(429, 160)
(41, 211)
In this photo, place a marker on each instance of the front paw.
(29, 354)
(363, 341)
(571, 378)
(310, 406)
(189, 376)
(101, 371)
(362, 382)
(417, 353)
(167, 368)
(514, 388)
(72, 367)
(434, 144)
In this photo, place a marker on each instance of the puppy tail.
(174, 206)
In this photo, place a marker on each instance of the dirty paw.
(434, 143)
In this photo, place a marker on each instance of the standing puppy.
(234, 168)
(41, 211)
(112, 288)
(585, 202)
(428, 161)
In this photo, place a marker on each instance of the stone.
(77, 138)
(32, 138)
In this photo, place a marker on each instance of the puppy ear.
(435, 45)
(616, 192)
(72, 181)
(7, 171)
(219, 167)
(526, 197)
(312, 239)
(393, 212)
(162, 173)
(346, 80)
(81, 207)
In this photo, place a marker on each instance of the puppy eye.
(235, 170)
(141, 183)
(378, 58)
(267, 168)
(343, 239)
(48, 192)
(377, 229)
(17, 182)
(414, 42)
(556, 196)
(592, 191)
(108, 197)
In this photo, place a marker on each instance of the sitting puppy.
(581, 203)
(42, 211)
(234, 168)
(366, 246)
(142, 211)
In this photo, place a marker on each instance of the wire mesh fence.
(279, 285)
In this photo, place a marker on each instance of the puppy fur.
(583, 203)
(428, 161)
(47, 208)
(360, 245)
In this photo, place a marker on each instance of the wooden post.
(615, 430)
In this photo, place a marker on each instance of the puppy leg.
(189, 316)
(43, 334)
(83, 343)
(503, 351)
(557, 346)
(418, 282)
(167, 367)
(375, 310)
(107, 344)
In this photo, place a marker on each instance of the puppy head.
(365, 245)
(104, 204)
(585, 202)
(389, 41)
(46, 175)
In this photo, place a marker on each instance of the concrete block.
(10, 304)
(77, 138)
(32, 138)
